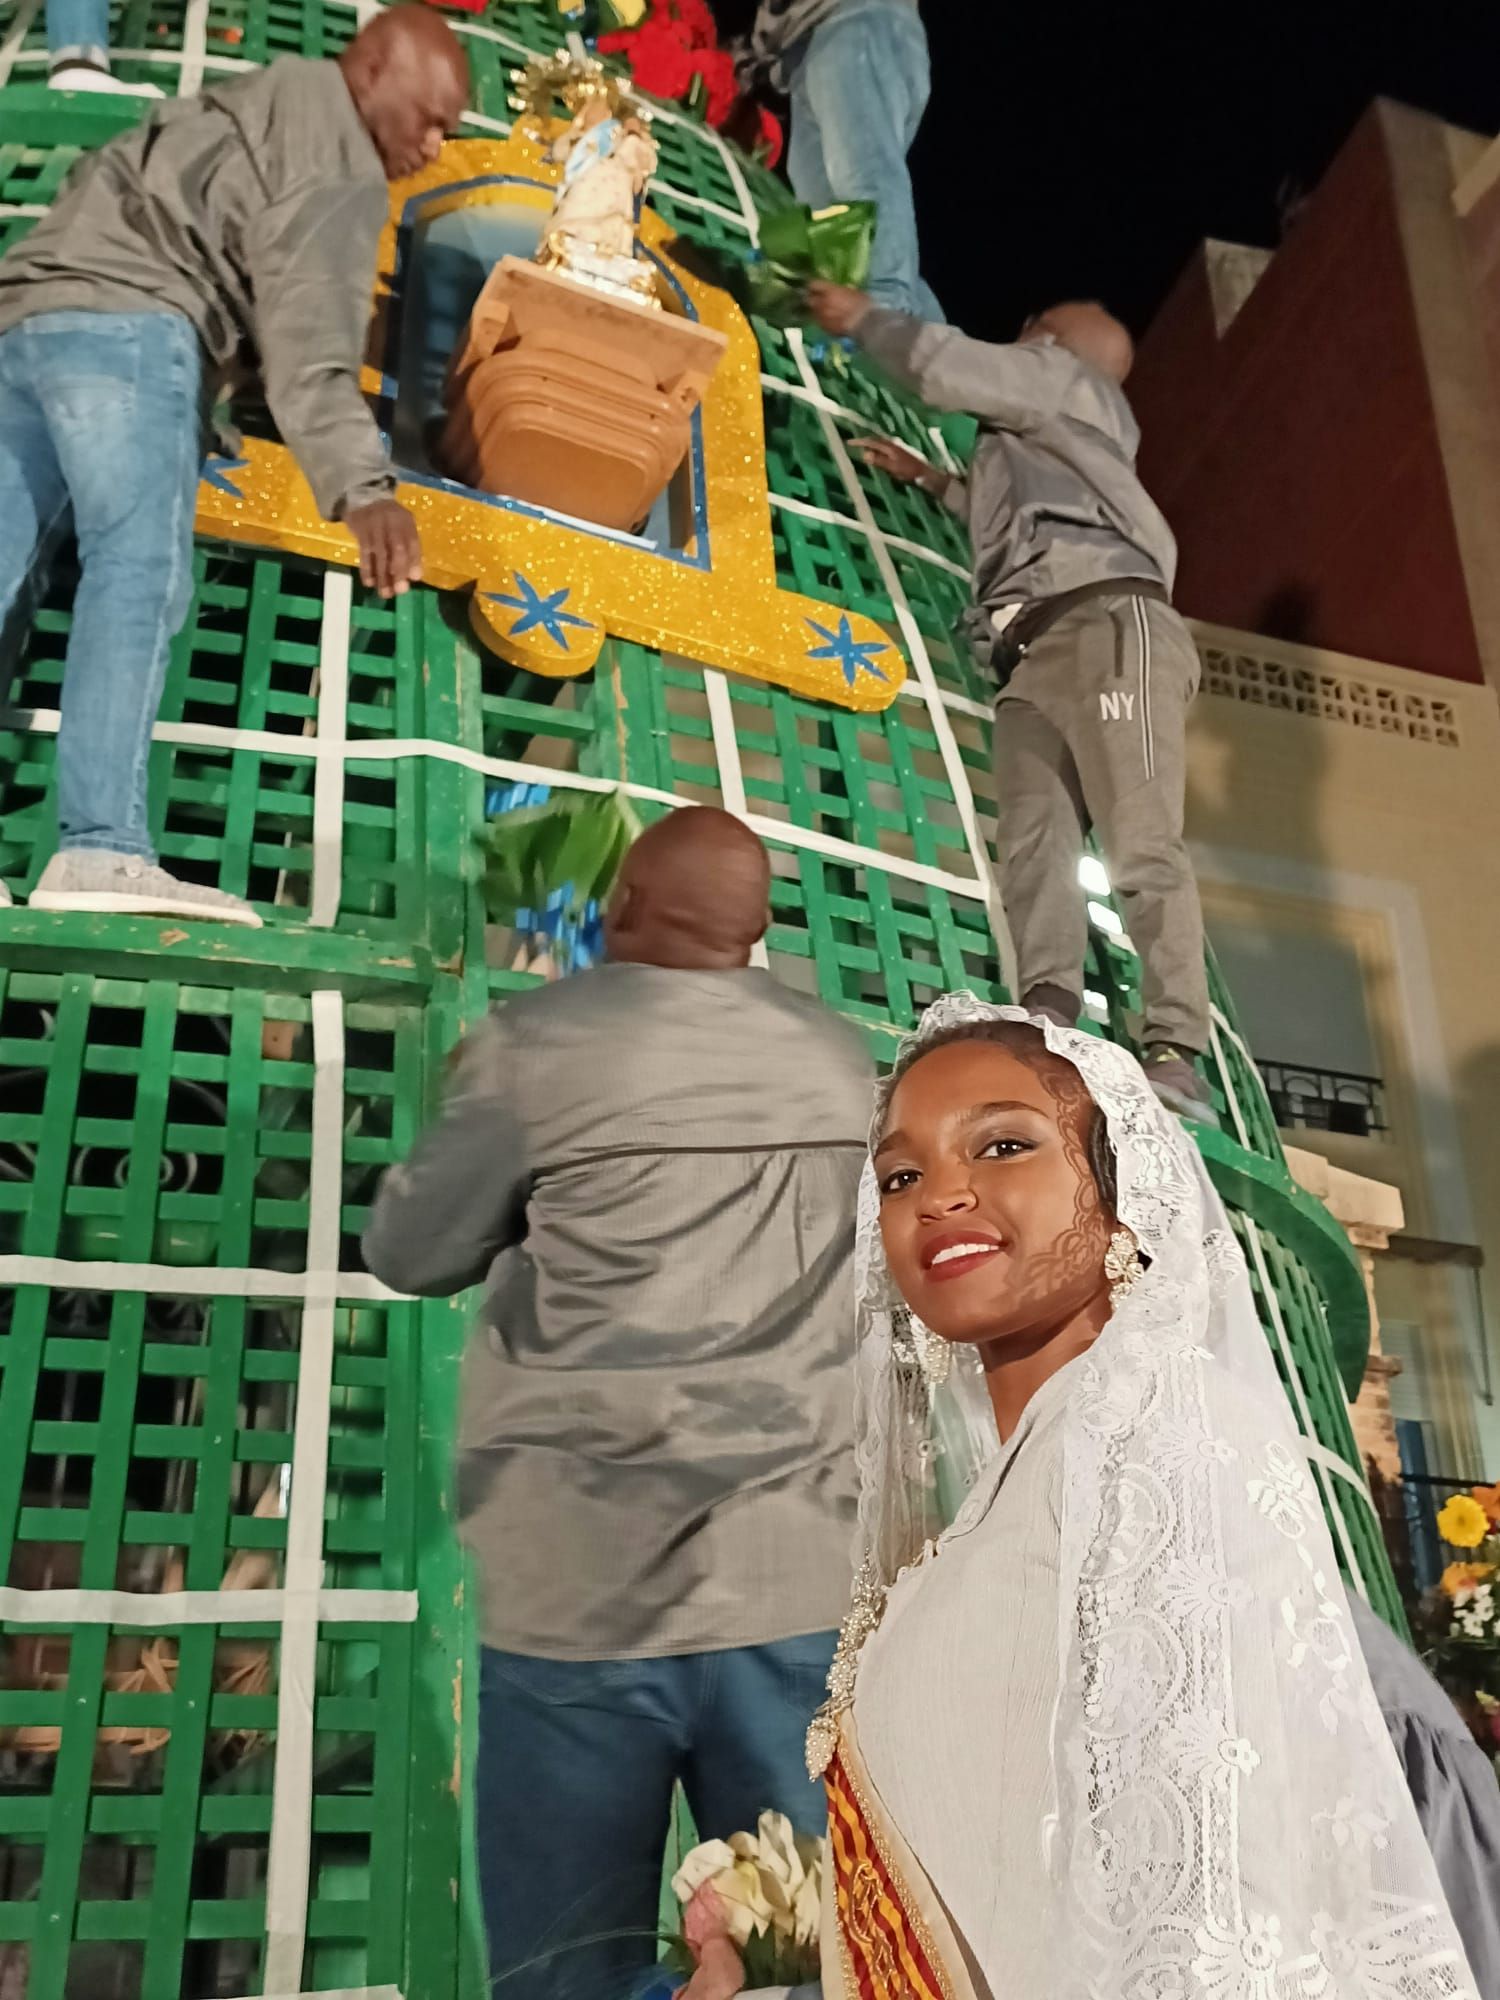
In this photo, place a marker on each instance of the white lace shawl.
(1230, 1818)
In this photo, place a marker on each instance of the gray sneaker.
(1172, 1074)
(99, 880)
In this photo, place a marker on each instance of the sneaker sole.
(141, 906)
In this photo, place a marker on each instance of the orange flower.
(1489, 1499)
(1459, 1579)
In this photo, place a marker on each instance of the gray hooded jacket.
(1052, 498)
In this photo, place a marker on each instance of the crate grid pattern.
(328, 755)
(185, 1172)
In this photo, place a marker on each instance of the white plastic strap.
(731, 771)
(847, 522)
(10, 48)
(332, 738)
(191, 1280)
(337, 1993)
(290, 1852)
(194, 48)
(199, 1607)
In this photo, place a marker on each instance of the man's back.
(656, 1431)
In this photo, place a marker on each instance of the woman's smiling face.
(992, 1222)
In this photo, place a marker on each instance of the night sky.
(1086, 150)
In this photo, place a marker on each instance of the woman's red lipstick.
(954, 1253)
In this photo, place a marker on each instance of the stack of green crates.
(192, 1123)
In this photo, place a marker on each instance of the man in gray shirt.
(654, 1165)
(858, 76)
(244, 219)
(1073, 568)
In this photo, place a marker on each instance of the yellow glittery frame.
(545, 592)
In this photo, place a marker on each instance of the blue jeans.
(101, 426)
(573, 1796)
(80, 26)
(858, 86)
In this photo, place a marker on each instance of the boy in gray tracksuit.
(1073, 568)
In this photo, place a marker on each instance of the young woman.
(1109, 1736)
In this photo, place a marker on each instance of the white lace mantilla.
(1231, 1821)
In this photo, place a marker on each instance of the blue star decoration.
(853, 655)
(216, 470)
(535, 613)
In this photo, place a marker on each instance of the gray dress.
(1453, 1785)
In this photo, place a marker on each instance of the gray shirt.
(254, 211)
(656, 1171)
(1052, 497)
(1453, 1785)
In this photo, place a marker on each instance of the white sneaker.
(7, 900)
(88, 76)
(97, 879)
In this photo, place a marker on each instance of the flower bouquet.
(551, 857)
(799, 244)
(764, 1890)
(1460, 1620)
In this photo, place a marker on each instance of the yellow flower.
(1462, 1579)
(1463, 1522)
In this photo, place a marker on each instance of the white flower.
(1284, 1497)
(1202, 1745)
(1349, 1826)
(1241, 1965)
(769, 1880)
(711, 1858)
(1196, 1593)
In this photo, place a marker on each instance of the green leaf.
(797, 246)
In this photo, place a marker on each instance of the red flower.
(699, 22)
(716, 68)
(769, 135)
(660, 59)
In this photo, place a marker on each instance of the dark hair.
(1028, 1045)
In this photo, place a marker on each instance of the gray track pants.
(1089, 733)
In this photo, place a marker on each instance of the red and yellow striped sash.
(888, 1953)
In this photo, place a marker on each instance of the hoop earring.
(1123, 1268)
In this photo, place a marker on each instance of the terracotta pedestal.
(570, 399)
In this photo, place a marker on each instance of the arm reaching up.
(312, 257)
(1018, 384)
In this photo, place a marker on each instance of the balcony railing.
(1324, 1100)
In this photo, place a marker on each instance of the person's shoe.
(1055, 1003)
(99, 880)
(80, 73)
(1174, 1077)
(7, 901)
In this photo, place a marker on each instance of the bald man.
(1073, 568)
(653, 1164)
(242, 220)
